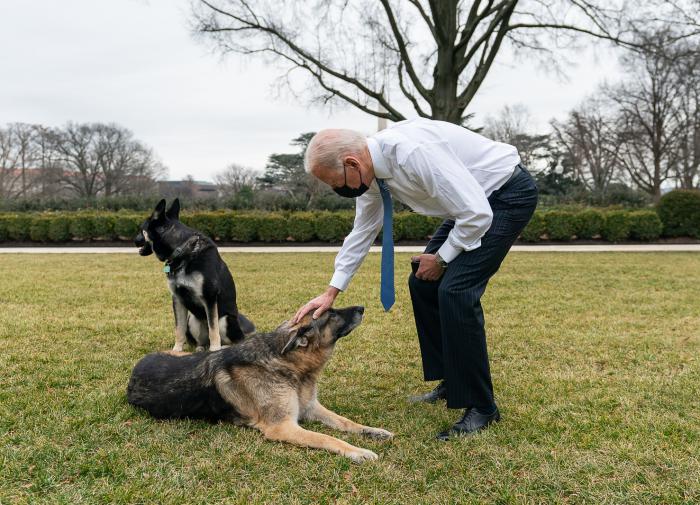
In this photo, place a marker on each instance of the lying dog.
(204, 294)
(268, 382)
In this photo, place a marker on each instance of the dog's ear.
(159, 211)
(297, 338)
(173, 211)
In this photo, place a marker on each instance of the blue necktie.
(386, 293)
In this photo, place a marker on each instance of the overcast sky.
(134, 62)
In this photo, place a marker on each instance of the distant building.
(188, 188)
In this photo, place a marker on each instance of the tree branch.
(403, 51)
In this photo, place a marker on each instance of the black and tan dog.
(203, 291)
(268, 382)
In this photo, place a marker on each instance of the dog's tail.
(247, 326)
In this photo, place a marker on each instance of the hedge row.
(678, 215)
(612, 226)
(225, 226)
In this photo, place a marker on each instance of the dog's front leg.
(289, 431)
(180, 324)
(317, 412)
(213, 324)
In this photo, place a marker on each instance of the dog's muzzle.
(144, 246)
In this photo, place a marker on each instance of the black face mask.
(349, 192)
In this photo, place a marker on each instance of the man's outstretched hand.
(319, 305)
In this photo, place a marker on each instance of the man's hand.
(429, 269)
(320, 304)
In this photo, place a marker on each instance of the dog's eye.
(303, 342)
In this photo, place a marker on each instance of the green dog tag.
(166, 269)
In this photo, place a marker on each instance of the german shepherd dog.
(203, 291)
(267, 382)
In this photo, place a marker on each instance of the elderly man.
(487, 198)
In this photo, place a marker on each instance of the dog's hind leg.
(289, 431)
(317, 412)
(180, 324)
(213, 323)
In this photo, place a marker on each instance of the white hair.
(328, 148)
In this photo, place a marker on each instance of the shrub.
(127, 226)
(81, 226)
(39, 229)
(535, 228)
(18, 227)
(221, 224)
(243, 227)
(3, 228)
(679, 211)
(561, 225)
(645, 225)
(300, 226)
(103, 227)
(204, 222)
(616, 226)
(59, 229)
(414, 226)
(589, 223)
(272, 228)
(333, 226)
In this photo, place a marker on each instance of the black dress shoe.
(471, 422)
(439, 393)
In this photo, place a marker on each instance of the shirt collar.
(381, 169)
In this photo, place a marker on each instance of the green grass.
(594, 358)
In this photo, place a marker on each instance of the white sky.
(135, 63)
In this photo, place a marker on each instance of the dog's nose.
(360, 309)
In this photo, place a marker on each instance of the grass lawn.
(595, 359)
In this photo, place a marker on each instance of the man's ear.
(297, 338)
(173, 211)
(351, 161)
(159, 211)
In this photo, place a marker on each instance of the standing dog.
(204, 294)
(268, 382)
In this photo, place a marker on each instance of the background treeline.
(76, 162)
(629, 140)
(624, 145)
(676, 215)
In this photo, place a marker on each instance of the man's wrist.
(332, 291)
(440, 260)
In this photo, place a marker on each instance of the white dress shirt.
(437, 169)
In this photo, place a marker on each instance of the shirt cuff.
(448, 252)
(340, 280)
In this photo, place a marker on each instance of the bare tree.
(648, 126)
(687, 77)
(589, 137)
(235, 178)
(127, 166)
(78, 158)
(513, 125)
(18, 160)
(510, 122)
(433, 55)
(102, 159)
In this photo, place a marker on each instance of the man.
(487, 198)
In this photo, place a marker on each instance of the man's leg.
(424, 296)
(464, 349)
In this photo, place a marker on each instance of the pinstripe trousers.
(448, 313)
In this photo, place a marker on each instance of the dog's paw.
(177, 348)
(377, 433)
(214, 347)
(361, 455)
(199, 348)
